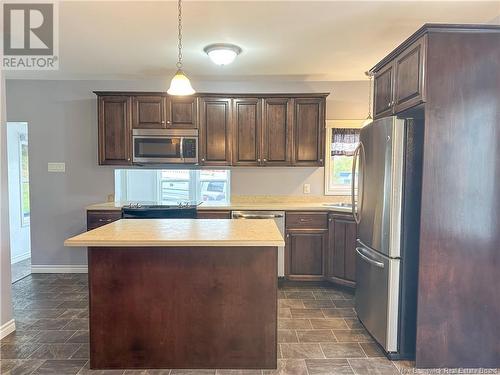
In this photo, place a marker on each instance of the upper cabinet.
(233, 130)
(182, 112)
(277, 131)
(148, 112)
(215, 131)
(115, 133)
(247, 122)
(309, 127)
(400, 83)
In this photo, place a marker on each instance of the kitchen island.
(182, 293)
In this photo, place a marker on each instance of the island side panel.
(183, 307)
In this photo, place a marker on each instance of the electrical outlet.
(111, 197)
(56, 167)
(307, 188)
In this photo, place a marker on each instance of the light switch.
(307, 188)
(56, 167)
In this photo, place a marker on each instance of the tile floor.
(20, 269)
(318, 333)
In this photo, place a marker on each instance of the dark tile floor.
(318, 333)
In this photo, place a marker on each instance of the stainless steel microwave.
(165, 146)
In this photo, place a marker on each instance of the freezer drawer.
(377, 290)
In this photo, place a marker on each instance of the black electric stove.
(183, 210)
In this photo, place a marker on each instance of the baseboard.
(7, 328)
(59, 269)
(20, 258)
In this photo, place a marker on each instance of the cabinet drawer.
(306, 220)
(213, 214)
(96, 219)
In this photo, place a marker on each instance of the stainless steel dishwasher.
(279, 219)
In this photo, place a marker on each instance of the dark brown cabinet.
(115, 133)
(341, 254)
(247, 122)
(309, 126)
(383, 91)
(233, 130)
(399, 84)
(409, 82)
(305, 245)
(277, 131)
(215, 131)
(182, 112)
(96, 219)
(148, 112)
(213, 214)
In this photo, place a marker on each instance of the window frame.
(330, 125)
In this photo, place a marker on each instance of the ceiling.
(289, 40)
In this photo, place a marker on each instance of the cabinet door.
(115, 134)
(247, 122)
(277, 131)
(181, 112)
(215, 131)
(148, 112)
(409, 76)
(309, 125)
(304, 254)
(341, 257)
(383, 91)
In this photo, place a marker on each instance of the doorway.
(19, 199)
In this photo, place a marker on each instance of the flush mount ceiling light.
(180, 84)
(222, 53)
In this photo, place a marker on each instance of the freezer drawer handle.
(359, 250)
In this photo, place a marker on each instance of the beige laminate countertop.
(181, 232)
(241, 206)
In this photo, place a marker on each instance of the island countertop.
(181, 232)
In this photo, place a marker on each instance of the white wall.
(62, 116)
(5, 273)
(20, 245)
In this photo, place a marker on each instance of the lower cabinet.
(213, 214)
(321, 246)
(96, 219)
(305, 246)
(341, 254)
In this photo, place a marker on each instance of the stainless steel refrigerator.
(386, 206)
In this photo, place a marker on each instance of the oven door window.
(157, 148)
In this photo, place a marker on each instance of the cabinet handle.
(287, 236)
(105, 220)
(128, 159)
(321, 160)
(302, 220)
(203, 159)
(330, 219)
(163, 122)
(169, 122)
(258, 160)
(265, 160)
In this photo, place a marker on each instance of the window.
(342, 140)
(25, 181)
(172, 185)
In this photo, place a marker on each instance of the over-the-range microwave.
(165, 146)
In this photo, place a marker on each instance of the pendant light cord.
(179, 61)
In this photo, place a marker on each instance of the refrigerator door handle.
(356, 213)
(365, 257)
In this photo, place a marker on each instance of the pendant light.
(180, 84)
(369, 118)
